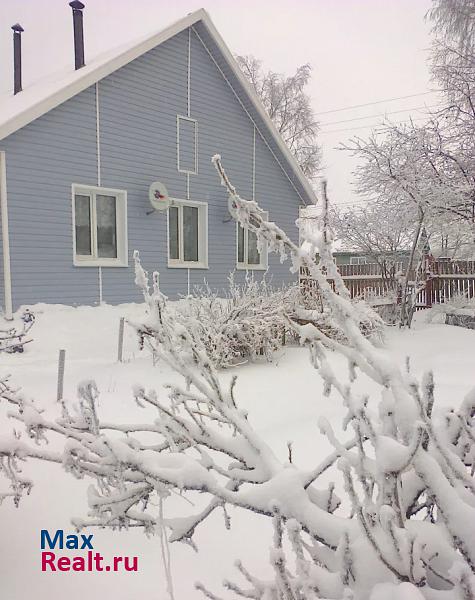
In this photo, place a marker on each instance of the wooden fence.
(443, 281)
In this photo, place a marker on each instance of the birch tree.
(382, 230)
(289, 107)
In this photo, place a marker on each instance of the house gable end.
(121, 133)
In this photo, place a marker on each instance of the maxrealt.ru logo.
(88, 561)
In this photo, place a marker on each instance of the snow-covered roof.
(18, 110)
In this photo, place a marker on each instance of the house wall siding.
(43, 160)
(138, 105)
(2, 289)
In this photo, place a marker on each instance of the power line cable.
(354, 204)
(357, 203)
(370, 126)
(327, 112)
(393, 112)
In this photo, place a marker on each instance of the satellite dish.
(158, 196)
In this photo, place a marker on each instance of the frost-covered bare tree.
(450, 238)
(382, 230)
(390, 171)
(454, 21)
(420, 164)
(404, 529)
(289, 107)
(431, 167)
(423, 167)
(453, 68)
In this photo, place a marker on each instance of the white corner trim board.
(7, 280)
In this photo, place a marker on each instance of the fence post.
(121, 339)
(61, 363)
(429, 292)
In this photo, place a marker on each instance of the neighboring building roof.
(33, 102)
(345, 252)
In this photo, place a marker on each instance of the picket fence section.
(444, 280)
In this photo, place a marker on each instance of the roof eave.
(259, 107)
(97, 73)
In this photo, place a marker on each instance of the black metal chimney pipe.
(78, 34)
(17, 31)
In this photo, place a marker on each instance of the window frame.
(246, 266)
(358, 260)
(94, 260)
(195, 122)
(179, 263)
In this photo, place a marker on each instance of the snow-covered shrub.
(252, 320)
(386, 306)
(312, 307)
(248, 322)
(405, 527)
(460, 305)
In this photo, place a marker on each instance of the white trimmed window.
(358, 260)
(188, 234)
(187, 144)
(99, 227)
(248, 255)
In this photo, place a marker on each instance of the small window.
(248, 255)
(188, 234)
(100, 227)
(358, 260)
(187, 144)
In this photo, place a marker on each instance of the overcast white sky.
(361, 51)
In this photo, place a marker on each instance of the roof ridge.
(23, 108)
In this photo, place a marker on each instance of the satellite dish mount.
(158, 196)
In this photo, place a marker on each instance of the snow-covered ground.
(284, 400)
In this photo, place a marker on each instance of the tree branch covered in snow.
(407, 474)
(14, 339)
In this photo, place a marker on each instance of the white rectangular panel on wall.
(187, 144)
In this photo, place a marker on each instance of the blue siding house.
(78, 154)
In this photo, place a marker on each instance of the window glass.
(187, 233)
(253, 256)
(82, 219)
(106, 226)
(240, 244)
(190, 233)
(173, 232)
(358, 260)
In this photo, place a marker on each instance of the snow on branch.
(244, 323)
(407, 475)
(14, 339)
